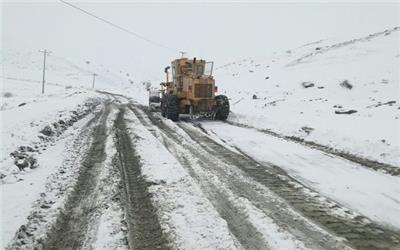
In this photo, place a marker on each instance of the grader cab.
(192, 91)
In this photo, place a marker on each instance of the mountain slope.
(341, 94)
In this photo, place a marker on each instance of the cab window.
(199, 70)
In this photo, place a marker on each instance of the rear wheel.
(164, 106)
(172, 108)
(222, 107)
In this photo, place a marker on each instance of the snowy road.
(144, 182)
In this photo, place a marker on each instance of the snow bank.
(370, 193)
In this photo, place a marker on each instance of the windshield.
(209, 68)
(199, 70)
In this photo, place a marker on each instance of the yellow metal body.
(193, 83)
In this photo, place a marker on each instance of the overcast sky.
(220, 32)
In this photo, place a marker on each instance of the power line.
(121, 28)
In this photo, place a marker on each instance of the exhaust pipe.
(166, 72)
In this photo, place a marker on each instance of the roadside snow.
(52, 179)
(370, 193)
(281, 103)
(21, 125)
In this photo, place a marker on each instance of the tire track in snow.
(237, 221)
(241, 186)
(144, 229)
(368, 163)
(33, 232)
(69, 230)
(359, 231)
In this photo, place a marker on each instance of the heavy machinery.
(192, 91)
(154, 100)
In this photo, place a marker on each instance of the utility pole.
(94, 78)
(45, 53)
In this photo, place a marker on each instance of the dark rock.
(346, 112)
(267, 77)
(390, 103)
(34, 165)
(7, 94)
(17, 154)
(22, 229)
(48, 131)
(307, 84)
(45, 206)
(255, 97)
(26, 149)
(346, 84)
(21, 163)
(307, 130)
(22, 104)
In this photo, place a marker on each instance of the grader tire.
(164, 107)
(222, 107)
(172, 108)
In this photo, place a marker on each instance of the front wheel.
(172, 108)
(221, 107)
(163, 107)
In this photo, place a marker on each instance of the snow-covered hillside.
(342, 94)
(28, 65)
(68, 96)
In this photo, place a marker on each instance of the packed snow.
(181, 202)
(368, 192)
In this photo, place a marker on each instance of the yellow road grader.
(192, 91)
